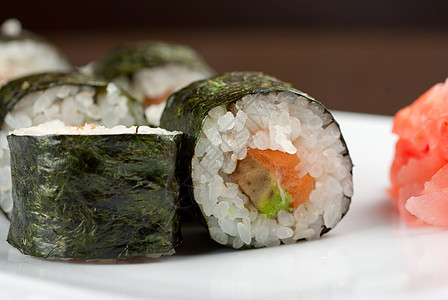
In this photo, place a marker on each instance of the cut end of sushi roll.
(55, 128)
(23, 54)
(269, 163)
(271, 169)
(91, 192)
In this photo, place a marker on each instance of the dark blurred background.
(362, 56)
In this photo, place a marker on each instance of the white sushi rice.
(159, 82)
(278, 121)
(88, 129)
(26, 56)
(62, 105)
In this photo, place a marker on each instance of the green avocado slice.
(262, 187)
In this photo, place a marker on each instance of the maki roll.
(151, 71)
(63, 98)
(267, 163)
(23, 53)
(91, 192)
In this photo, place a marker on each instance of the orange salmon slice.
(283, 165)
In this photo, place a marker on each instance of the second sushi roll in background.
(266, 163)
(151, 71)
(62, 98)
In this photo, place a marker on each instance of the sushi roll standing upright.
(59, 98)
(151, 71)
(91, 192)
(22, 53)
(267, 163)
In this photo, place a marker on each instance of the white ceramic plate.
(369, 255)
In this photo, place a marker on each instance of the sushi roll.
(151, 71)
(23, 53)
(419, 172)
(63, 98)
(93, 193)
(267, 163)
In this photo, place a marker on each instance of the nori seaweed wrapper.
(94, 196)
(127, 59)
(13, 91)
(187, 109)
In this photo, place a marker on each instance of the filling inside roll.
(268, 178)
(271, 169)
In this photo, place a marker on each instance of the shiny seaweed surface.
(127, 59)
(94, 196)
